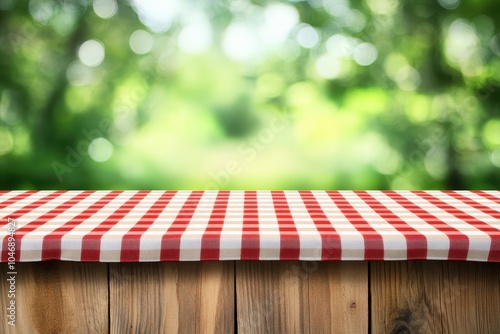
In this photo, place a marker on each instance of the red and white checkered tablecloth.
(142, 226)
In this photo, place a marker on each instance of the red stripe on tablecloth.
(488, 196)
(210, 242)
(289, 236)
(32, 206)
(19, 213)
(250, 239)
(131, 241)
(494, 233)
(171, 240)
(416, 242)
(459, 242)
(476, 205)
(20, 233)
(331, 248)
(91, 242)
(51, 249)
(15, 199)
(374, 243)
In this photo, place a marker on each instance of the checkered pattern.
(136, 226)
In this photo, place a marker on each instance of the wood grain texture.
(302, 297)
(435, 297)
(58, 297)
(172, 297)
(272, 297)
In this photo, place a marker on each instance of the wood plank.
(302, 297)
(470, 297)
(58, 297)
(172, 297)
(435, 297)
(401, 295)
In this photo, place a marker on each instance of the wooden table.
(256, 297)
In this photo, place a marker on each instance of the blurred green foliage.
(318, 94)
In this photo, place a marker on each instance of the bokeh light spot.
(105, 9)
(449, 4)
(491, 133)
(280, 19)
(354, 20)
(394, 63)
(91, 53)
(157, 15)
(307, 36)
(365, 54)
(100, 149)
(328, 67)
(240, 42)
(337, 8)
(42, 11)
(340, 45)
(495, 157)
(383, 7)
(407, 78)
(462, 48)
(141, 42)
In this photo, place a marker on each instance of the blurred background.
(249, 94)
